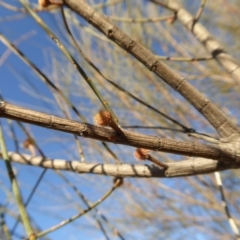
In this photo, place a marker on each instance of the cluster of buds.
(143, 154)
(104, 118)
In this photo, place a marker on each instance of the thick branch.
(230, 64)
(127, 138)
(177, 169)
(214, 115)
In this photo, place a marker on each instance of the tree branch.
(224, 151)
(229, 63)
(212, 113)
(177, 169)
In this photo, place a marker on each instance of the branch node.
(153, 65)
(159, 141)
(81, 133)
(51, 121)
(130, 45)
(110, 32)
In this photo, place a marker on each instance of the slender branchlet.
(118, 181)
(172, 19)
(143, 154)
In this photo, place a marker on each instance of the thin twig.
(39, 179)
(11, 7)
(225, 205)
(183, 59)
(12, 18)
(29, 198)
(88, 204)
(4, 226)
(107, 4)
(155, 127)
(140, 20)
(94, 205)
(161, 4)
(83, 198)
(16, 191)
(16, 42)
(200, 11)
(204, 137)
(89, 30)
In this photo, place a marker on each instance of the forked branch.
(211, 112)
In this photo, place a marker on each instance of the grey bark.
(223, 151)
(176, 169)
(229, 63)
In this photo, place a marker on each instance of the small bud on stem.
(143, 154)
(104, 118)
